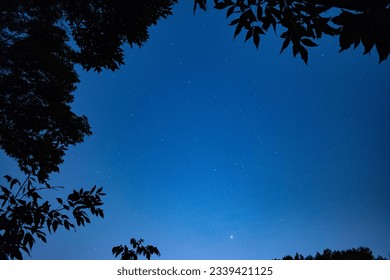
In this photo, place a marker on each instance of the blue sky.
(210, 149)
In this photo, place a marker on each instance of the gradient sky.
(210, 149)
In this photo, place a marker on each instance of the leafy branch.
(138, 250)
(305, 21)
(24, 218)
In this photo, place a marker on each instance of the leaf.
(134, 242)
(220, 5)
(66, 224)
(5, 191)
(13, 182)
(266, 24)
(55, 225)
(29, 240)
(60, 201)
(368, 40)
(347, 38)
(343, 18)
(117, 250)
(285, 44)
(101, 213)
(147, 254)
(238, 29)
(201, 4)
(308, 42)
(73, 196)
(259, 12)
(25, 249)
(256, 39)
(41, 236)
(257, 29)
(295, 50)
(17, 254)
(8, 178)
(304, 54)
(4, 198)
(327, 29)
(78, 221)
(48, 223)
(230, 11)
(383, 47)
(234, 21)
(248, 34)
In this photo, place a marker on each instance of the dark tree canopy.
(361, 253)
(40, 43)
(302, 21)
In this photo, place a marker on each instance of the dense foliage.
(304, 21)
(25, 216)
(40, 44)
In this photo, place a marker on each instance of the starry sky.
(210, 149)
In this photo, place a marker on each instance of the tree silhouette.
(37, 76)
(302, 21)
(361, 253)
(24, 217)
(137, 251)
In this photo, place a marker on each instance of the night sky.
(210, 149)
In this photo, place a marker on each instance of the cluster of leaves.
(371, 28)
(36, 84)
(303, 21)
(138, 249)
(100, 28)
(24, 217)
(37, 69)
(361, 253)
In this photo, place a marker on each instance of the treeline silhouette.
(360, 253)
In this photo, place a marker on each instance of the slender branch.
(22, 185)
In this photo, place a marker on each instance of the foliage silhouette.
(302, 21)
(37, 75)
(25, 218)
(137, 251)
(361, 253)
(40, 45)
